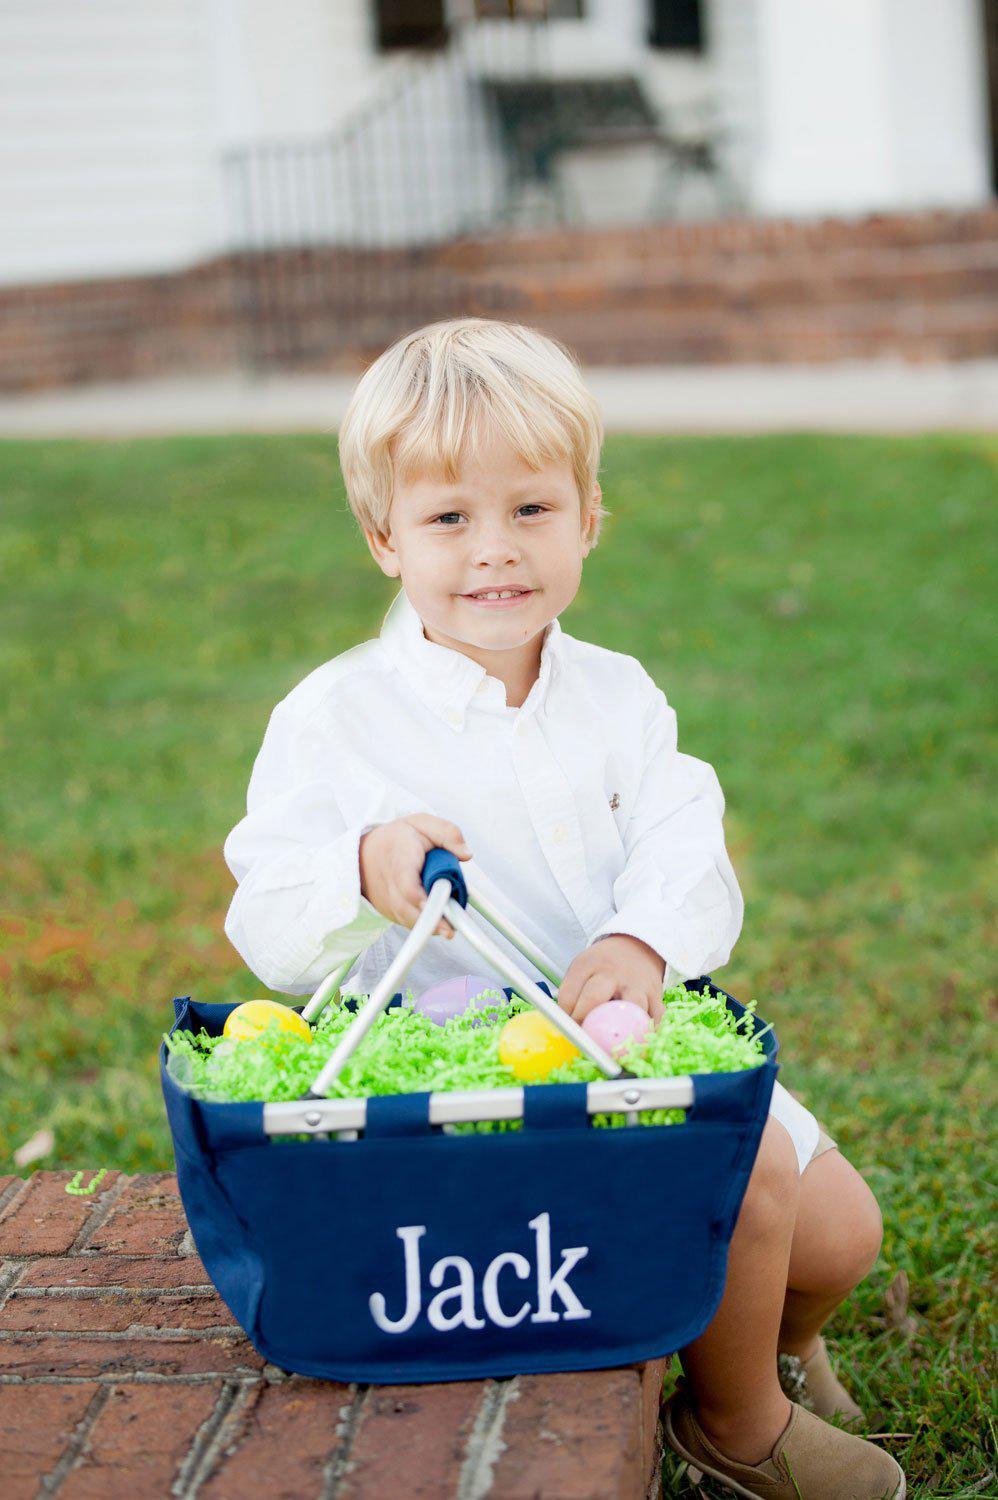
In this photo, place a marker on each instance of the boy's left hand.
(617, 967)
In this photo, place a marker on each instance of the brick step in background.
(918, 332)
(681, 242)
(123, 1375)
(934, 273)
(951, 275)
(920, 286)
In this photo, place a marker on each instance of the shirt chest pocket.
(603, 805)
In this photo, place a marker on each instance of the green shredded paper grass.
(404, 1052)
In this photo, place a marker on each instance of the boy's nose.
(495, 549)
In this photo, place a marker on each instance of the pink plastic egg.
(452, 997)
(615, 1023)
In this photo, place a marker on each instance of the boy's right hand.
(392, 856)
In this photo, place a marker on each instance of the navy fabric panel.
(230, 1125)
(410, 1255)
(635, 1211)
(398, 1115)
(226, 1243)
(718, 1096)
(754, 1088)
(211, 1017)
(182, 1112)
(553, 1104)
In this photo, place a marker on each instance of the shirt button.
(559, 833)
(343, 903)
(453, 717)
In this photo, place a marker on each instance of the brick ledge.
(915, 286)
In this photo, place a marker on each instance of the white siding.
(299, 65)
(105, 136)
(114, 115)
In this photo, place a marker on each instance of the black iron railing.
(337, 240)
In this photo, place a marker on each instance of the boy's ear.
(383, 552)
(592, 523)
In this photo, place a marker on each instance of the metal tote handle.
(328, 990)
(447, 895)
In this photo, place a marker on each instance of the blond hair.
(415, 407)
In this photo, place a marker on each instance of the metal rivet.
(313, 1118)
(632, 1096)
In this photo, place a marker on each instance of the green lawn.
(817, 611)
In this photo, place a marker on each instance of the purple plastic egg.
(452, 997)
(615, 1023)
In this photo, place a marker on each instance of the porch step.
(914, 286)
(918, 287)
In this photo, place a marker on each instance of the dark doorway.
(410, 23)
(676, 25)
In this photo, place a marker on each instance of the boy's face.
(500, 525)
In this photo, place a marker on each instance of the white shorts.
(807, 1135)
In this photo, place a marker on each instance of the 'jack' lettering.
(454, 1305)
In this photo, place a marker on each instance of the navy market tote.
(386, 1250)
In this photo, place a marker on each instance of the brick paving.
(122, 1374)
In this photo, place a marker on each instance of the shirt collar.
(447, 680)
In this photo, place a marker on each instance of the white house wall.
(106, 159)
(114, 115)
(294, 68)
(733, 39)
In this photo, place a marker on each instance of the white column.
(858, 105)
(939, 99)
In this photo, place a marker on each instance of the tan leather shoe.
(811, 1460)
(813, 1384)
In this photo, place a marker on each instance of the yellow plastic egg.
(253, 1018)
(531, 1046)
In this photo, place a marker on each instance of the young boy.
(470, 452)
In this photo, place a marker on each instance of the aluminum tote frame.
(320, 1116)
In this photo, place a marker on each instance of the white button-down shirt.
(582, 815)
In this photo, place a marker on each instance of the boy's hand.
(616, 967)
(391, 864)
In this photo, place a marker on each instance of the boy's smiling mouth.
(502, 593)
(498, 598)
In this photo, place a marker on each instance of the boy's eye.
(448, 514)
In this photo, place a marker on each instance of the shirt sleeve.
(677, 891)
(298, 911)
